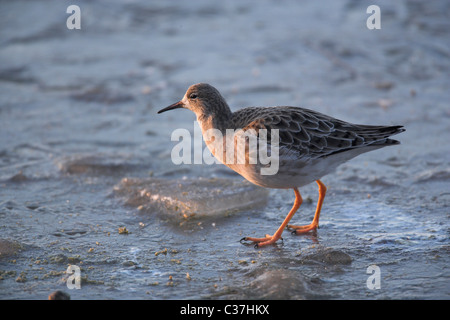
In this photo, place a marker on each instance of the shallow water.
(83, 152)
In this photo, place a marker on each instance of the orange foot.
(314, 225)
(261, 242)
(303, 229)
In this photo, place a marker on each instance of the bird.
(304, 145)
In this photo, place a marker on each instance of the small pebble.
(59, 295)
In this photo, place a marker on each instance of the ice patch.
(190, 197)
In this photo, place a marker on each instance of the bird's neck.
(212, 122)
(221, 119)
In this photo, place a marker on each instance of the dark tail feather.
(380, 135)
(371, 136)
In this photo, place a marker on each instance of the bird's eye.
(193, 96)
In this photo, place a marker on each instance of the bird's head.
(203, 99)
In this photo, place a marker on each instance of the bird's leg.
(277, 235)
(315, 223)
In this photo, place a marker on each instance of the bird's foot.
(261, 242)
(303, 229)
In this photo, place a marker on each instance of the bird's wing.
(307, 133)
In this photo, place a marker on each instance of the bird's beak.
(176, 105)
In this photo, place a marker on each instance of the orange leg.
(315, 223)
(260, 242)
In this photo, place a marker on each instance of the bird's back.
(313, 134)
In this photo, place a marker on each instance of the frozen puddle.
(181, 199)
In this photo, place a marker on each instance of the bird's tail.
(379, 135)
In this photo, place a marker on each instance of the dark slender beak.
(176, 105)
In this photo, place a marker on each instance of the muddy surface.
(86, 177)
